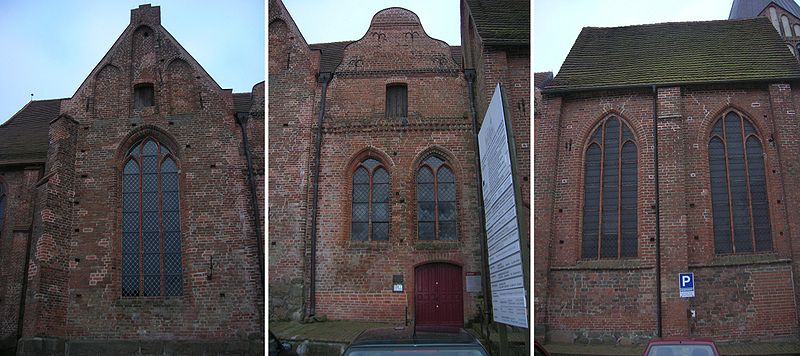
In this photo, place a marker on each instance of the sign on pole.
(686, 284)
(506, 277)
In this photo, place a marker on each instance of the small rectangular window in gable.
(396, 101)
(143, 96)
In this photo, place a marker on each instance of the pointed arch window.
(370, 204)
(151, 236)
(2, 207)
(436, 200)
(610, 222)
(738, 187)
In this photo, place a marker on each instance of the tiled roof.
(23, 138)
(541, 78)
(332, 54)
(456, 52)
(241, 102)
(676, 53)
(745, 9)
(502, 22)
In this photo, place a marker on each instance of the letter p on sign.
(686, 285)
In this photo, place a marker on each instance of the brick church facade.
(664, 149)
(130, 211)
(372, 163)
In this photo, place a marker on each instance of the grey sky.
(49, 47)
(556, 23)
(347, 20)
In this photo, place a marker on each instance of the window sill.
(743, 260)
(134, 302)
(615, 264)
(368, 245)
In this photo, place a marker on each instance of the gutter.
(324, 79)
(561, 90)
(241, 119)
(658, 213)
(469, 74)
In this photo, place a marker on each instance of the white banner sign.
(506, 276)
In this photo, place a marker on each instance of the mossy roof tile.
(675, 53)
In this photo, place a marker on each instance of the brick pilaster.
(672, 138)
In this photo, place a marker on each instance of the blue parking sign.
(686, 284)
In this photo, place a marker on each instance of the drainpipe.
(29, 244)
(241, 119)
(658, 213)
(324, 79)
(469, 74)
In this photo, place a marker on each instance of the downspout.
(469, 74)
(241, 119)
(658, 213)
(325, 79)
(24, 287)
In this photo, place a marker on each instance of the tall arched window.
(2, 207)
(151, 233)
(738, 187)
(436, 200)
(787, 30)
(609, 192)
(773, 16)
(370, 208)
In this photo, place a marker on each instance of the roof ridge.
(752, 19)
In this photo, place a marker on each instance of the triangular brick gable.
(145, 52)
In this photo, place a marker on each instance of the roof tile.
(676, 53)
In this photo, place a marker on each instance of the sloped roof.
(23, 138)
(502, 22)
(745, 9)
(456, 52)
(540, 79)
(241, 102)
(676, 53)
(332, 54)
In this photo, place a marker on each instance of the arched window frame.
(591, 240)
(170, 282)
(787, 29)
(773, 17)
(437, 200)
(373, 223)
(758, 241)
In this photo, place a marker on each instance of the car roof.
(410, 336)
(682, 340)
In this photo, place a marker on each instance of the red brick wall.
(354, 279)
(15, 231)
(74, 283)
(292, 69)
(583, 297)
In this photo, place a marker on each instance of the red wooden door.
(438, 295)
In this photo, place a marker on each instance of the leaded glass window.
(370, 208)
(436, 200)
(738, 187)
(151, 245)
(610, 192)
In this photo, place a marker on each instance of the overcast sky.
(50, 47)
(348, 20)
(556, 23)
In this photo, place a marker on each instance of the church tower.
(784, 15)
